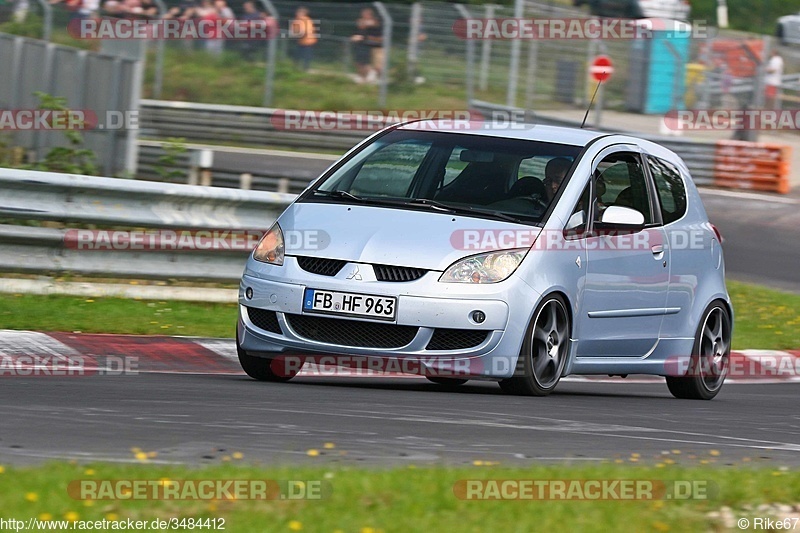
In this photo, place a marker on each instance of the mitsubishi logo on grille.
(355, 274)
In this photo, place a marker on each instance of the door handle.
(658, 251)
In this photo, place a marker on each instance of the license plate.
(348, 303)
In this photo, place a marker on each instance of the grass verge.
(407, 499)
(116, 315)
(764, 318)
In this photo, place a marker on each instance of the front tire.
(710, 357)
(264, 369)
(544, 351)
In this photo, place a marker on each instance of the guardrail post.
(272, 41)
(246, 181)
(283, 185)
(386, 20)
(200, 163)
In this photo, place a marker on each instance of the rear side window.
(670, 187)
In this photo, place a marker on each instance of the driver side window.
(619, 180)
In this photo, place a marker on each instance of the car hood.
(395, 236)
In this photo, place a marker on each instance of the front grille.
(456, 339)
(397, 273)
(351, 332)
(266, 320)
(320, 265)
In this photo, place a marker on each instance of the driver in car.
(554, 173)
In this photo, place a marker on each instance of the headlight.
(270, 248)
(484, 268)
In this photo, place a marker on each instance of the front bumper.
(424, 304)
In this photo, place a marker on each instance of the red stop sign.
(601, 68)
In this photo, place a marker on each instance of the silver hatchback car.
(518, 254)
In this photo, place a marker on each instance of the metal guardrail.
(74, 201)
(239, 125)
(222, 124)
(227, 171)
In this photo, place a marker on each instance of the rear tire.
(264, 369)
(710, 357)
(544, 351)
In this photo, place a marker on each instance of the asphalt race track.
(761, 235)
(197, 419)
(200, 418)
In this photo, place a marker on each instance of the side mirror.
(575, 221)
(621, 217)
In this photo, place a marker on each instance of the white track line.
(750, 196)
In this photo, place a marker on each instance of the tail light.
(717, 233)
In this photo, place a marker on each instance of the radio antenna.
(586, 115)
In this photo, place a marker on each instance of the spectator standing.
(75, 7)
(250, 15)
(223, 10)
(302, 28)
(374, 39)
(112, 8)
(361, 52)
(132, 9)
(208, 12)
(367, 39)
(149, 9)
(183, 11)
(772, 80)
(21, 10)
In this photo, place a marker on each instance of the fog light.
(248, 293)
(478, 317)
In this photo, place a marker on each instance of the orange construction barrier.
(754, 166)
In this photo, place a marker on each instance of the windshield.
(460, 173)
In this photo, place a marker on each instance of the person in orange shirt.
(305, 32)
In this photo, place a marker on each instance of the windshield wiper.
(463, 209)
(338, 194)
(430, 203)
(387, 201)
(424, 202)
(498, 214)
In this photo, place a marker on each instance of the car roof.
(527, 132)
(545, 133)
